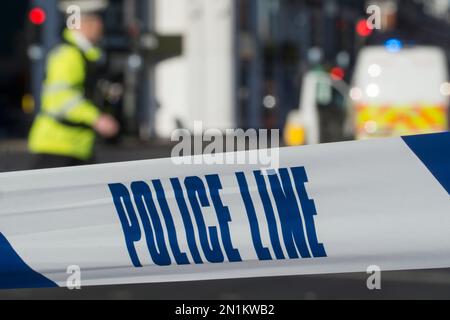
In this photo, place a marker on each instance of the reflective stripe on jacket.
(64, 125)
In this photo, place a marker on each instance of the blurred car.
(400, 91)
(323, 111)
(395, 91)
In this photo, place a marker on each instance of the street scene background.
(315, 70)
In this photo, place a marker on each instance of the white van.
(400, 91)
(395, 91)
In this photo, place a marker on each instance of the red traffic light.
(337, 73)
(362, 28)
(37, 16)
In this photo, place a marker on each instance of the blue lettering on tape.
(262, 252)
(293, 213)
(152, 224)
(198, 199)
(224, 217)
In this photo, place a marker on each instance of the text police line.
(139, 214)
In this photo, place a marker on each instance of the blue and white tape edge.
(382, 202)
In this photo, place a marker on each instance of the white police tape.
(328, 209)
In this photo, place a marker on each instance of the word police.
(290, 221)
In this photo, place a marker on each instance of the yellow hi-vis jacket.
(64, 125)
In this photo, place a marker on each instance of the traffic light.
(37, 16)
(363, 29)
(337, 73)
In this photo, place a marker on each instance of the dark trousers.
(48, 161)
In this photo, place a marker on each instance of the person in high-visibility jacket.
(64, 131)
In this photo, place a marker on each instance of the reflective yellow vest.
(64, 125)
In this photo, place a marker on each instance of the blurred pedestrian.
(64, 132)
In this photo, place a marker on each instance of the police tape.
(331, 208)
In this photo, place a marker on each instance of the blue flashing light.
(393, 45)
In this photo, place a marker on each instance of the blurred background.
(315, 69)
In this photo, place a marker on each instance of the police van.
(395, 91)
(400, 91)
